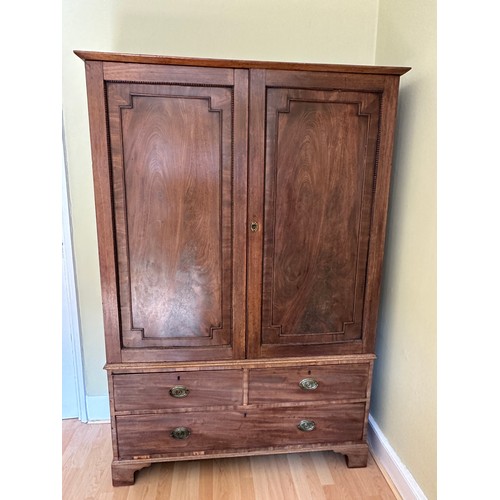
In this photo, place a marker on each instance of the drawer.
(152, 435)
(281, 385)
(170, 390)
(332, 423)
(140, 435)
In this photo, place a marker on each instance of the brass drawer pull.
(179, 391)
(180, 433)
(308, 384)
(306, 425)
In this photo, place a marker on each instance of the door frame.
(69, 296)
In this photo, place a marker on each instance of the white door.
(69, 379)
(73, 392)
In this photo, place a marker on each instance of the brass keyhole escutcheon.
(254, 226)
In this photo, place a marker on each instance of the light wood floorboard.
(86, 474)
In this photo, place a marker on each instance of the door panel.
(173, 169)
(320, 164)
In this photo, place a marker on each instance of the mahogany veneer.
(241, 210)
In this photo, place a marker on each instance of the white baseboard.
(98, 409)
(388, 459)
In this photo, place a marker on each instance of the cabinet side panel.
(103, 202)
(380, 208)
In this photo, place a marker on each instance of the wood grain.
(173, 216)
(86, 474)
(234, 63)
(241, 210)
(104, 209)
(380, 209)
(173, 168)
(255, 211)
(150, 391)
(149, 436)
(240, 363)
(275, 385)
(320, 163)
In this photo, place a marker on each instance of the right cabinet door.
(314, 147)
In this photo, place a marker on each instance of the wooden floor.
(86, 474)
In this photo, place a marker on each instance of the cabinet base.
(358, 458)
(123, 472)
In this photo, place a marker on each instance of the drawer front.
(170, 390)
(309, 383)
(140, 435)
(155, 435)
(305, 425)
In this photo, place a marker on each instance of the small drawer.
(170, 390)
(154, 435)
(161, 434)
(309, 383)
(321, 424)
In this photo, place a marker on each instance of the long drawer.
(170, 390)
(160, 434)
(308, 383)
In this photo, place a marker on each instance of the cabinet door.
(177, 140)
(313, 153)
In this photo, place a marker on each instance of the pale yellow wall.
(334, 31)
(404, 389)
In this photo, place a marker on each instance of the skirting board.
(97, 409)
(385, 455)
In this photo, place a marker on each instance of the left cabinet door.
(177, 182)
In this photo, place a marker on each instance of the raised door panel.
(173, 170)
(320, 165)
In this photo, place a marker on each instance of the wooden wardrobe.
(241, 212)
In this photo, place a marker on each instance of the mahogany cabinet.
(241, 210)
